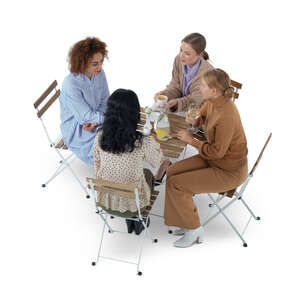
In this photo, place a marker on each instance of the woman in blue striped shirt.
(83, 97)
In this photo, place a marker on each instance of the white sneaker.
(179, 232)
(190, 237)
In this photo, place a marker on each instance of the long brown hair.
(219, 79)
(198, 43)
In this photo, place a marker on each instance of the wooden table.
(172, 147)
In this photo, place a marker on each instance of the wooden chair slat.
(45, 94)
(48, 104)
(260, 155)
(235, 95)
(152, 201)
(113, 191)
(170, 147)
(100, 182)
(236, 84)
(171, 154)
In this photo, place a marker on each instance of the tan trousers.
(194, 176)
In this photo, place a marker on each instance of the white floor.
(53, 237)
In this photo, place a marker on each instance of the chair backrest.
(47, 104)
(100, 185)
(237, 86)
(260, 155)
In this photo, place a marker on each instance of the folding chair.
(236, 195)
(123, 190)
(57, 144)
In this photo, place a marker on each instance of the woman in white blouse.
(119, 153)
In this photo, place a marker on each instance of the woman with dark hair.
(119, 153)
(188, 68)
(83, 97)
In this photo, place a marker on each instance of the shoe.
(138, 225)
(130, 225)
(179, 232)
(190, 237)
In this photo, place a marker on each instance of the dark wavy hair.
(120, 123)
(82, 51)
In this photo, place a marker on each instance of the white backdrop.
(50, 236)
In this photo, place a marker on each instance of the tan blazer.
(174, 89)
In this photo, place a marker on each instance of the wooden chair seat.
(229, 193)
(152, 201)
(61, 144)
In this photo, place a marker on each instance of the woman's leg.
(180, 209)
(192, 163)
(172, 213)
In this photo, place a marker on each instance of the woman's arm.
(173, 90)
(76, 104)
(217, 149)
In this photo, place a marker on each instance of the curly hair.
(120, 123)
(82, 51)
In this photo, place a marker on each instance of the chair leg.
(140, 251)
(79, 182)
(56, 173)
(228, 220)
(63, 165)
(101, 241)
(251, 212)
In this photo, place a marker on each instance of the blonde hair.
(219, 79)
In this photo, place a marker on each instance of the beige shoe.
(190, 237)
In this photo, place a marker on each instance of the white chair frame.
(58, 143)
(98, 185)
(238, 195)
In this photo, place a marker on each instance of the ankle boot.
(179, 232)
(139, 227)
(130, 225)
(190, 237)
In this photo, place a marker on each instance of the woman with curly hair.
(83, 97)
(220, 166)
(119, 153)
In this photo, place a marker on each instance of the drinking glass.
(193, 112)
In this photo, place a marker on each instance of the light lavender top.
(189, 73)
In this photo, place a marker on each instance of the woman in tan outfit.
(221, 164)
(188, 68)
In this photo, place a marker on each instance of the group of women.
(101, 129)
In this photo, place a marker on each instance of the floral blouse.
(126, 168)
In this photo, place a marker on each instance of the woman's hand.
(190, 120)
(171, 103)
(89, 126)
(185, 136)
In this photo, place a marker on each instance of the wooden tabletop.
(172, 147)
